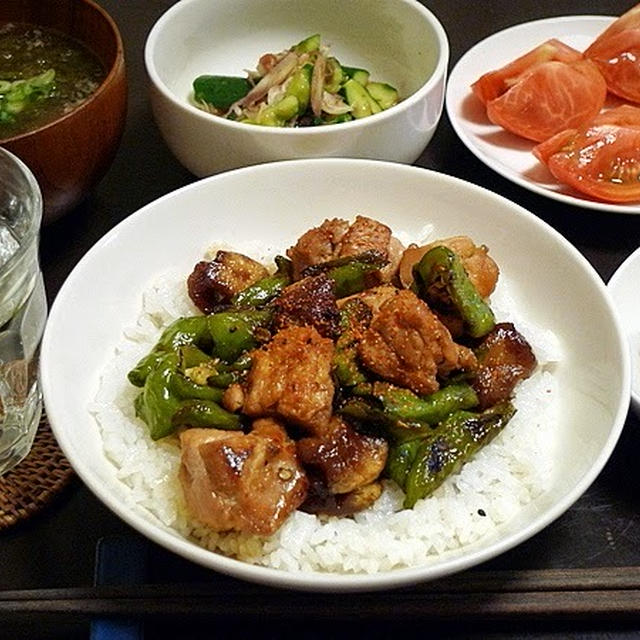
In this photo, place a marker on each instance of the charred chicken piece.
(504, 358)
(320, 501)
(309, 302)
(290, 378)
(344, 458)
(213, 283)
(234, 481)
(407, 344)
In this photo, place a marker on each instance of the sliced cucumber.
(384, 94)
(359, 99)
(312, 43)
(359, 75)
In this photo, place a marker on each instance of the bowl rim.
(620, 275)
(331, 582)
(116, 68)
(436, 76)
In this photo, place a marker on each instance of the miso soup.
(44, 74)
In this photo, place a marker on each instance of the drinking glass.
(23, 309)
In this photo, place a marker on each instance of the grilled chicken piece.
(215, 282)
(290, 377)
(337, 239)
(344, 458)
(480, 267)
(504, 358)
(407, 344)
(374, 297)
(309, 302)
(317, 245)
(234, 481)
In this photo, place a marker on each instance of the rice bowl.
(591, 403)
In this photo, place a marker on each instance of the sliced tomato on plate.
(602, 160)
(544, 91)
(616, 51)
(550, 98)
(493, 84)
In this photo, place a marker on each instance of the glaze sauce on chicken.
(356, 360)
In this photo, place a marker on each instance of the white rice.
(490, 490)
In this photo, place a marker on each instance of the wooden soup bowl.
(70, 155)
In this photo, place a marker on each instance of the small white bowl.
(623, 286)
(398, 41)
(265, 208)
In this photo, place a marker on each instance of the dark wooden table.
(578, 577)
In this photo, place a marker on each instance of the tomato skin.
(552, 97)
(616, 51)
(601, 161)
(493, 84)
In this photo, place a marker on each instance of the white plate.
(508, 154)
(624, 287)
(273, 204)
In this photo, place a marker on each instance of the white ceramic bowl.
(554, 284)
(623, 286)
(398, 41)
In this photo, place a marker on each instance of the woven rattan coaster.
(35, 481)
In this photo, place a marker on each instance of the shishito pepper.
(266, 289)
(183, 331)
(354, 315)
(402, 415)
(234, 332)
(441, 270)
(350, 274)
(168, 398)
(447, 448)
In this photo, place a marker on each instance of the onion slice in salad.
(317, 85)
(278, 74)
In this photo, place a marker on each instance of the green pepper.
(451, 444)
(400, 460)
(157, 403)
(402, 404)
(168, 399)
(204, 413)
(183, 331)
(354, 315)
(441, 269)
(234, 332)
(266, 289)
(350, 274)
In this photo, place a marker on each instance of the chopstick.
(498, 595)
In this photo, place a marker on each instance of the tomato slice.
(601, 161)
(616, 51)
(493, 84)
(549, 98)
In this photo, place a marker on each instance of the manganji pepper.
(440, 271)
(266, 289)
(234, 332)
(449, 446)
(183, 331)
(351, 274)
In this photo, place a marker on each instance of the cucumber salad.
(299, 87)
